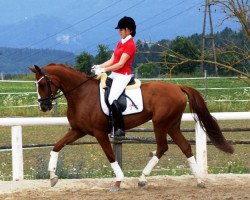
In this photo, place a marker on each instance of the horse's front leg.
(103, 140)
(70, 137)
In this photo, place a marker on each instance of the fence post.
(17, 153)
(201, 148)
(117, 146)
(205, 84)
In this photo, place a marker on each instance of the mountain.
(14, 60)
(40, 31)
(80, 25)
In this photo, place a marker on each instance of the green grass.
(213, 83)
(17, 87)
(11, 105)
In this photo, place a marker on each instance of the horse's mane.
(68, 67)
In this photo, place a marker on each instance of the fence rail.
(148, 79)
(136, 140)
(17, 146)
(205, 78)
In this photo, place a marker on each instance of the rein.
(50, 96)
(72, 89)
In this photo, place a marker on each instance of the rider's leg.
(118, 119)
(120, 82)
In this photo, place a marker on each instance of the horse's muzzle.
(46, 106)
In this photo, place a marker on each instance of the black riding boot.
(118, 119)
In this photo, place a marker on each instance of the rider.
(120, 67)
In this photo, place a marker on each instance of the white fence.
(17, 123)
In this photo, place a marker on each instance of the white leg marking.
(118, 171)
(53, 161)
(147, 170)
(196, 171)
(52, 168)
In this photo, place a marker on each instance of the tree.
(183, 54)
(231, 58)
(237, 9)
(179, 49)
(103, 54)
(147, 70)
(149, 54)
(84, 62)
(141, 56)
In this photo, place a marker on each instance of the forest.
(165, 56)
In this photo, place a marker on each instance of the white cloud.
(63, 38)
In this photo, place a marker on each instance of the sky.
(95, 20)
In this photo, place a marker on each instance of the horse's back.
(164, 89)
(164, 96)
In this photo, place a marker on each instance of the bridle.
(50, 97)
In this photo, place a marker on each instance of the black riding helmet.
(127, 22)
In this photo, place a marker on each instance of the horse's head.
(46, 89)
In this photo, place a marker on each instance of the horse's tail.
(207, 121)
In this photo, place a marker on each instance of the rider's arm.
(124, 58)
(108, 62)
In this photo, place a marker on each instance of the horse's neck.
(69, 82)
(72, 82)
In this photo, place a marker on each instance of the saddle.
(106, 83)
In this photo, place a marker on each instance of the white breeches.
(120, 81)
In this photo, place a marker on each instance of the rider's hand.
(100, 70)
(94, 67)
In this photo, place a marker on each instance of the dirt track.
(219, 187)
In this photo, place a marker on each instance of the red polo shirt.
(128, 48)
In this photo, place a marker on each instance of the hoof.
(201, 185)
(53, 181)
(142, 184)
(115, 189)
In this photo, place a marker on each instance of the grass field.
(89, 160)
(15, 104)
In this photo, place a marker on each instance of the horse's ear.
(35, 69)
(32, 69)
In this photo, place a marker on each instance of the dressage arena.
(227, 186)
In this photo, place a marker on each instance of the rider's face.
(124, 32)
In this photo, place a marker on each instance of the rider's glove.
(94, 67)
(100, 70)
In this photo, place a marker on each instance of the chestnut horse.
(164, 103)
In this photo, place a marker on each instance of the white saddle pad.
(134, 94)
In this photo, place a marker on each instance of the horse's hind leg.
(162, 147)
(70, 137)
(185, 147)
